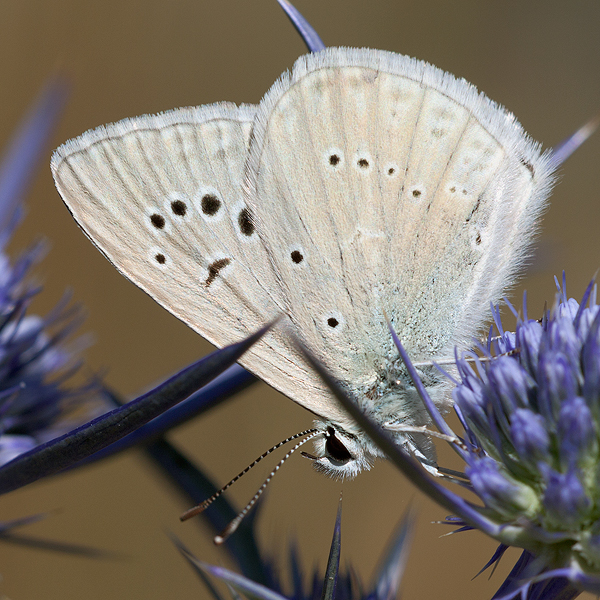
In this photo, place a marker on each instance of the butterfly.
(364, 184)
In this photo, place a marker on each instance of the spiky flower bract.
(529, 403)
(531, 413)
(36, 363)
(336, 584)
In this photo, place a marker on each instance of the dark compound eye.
(334, 447)
(334, 160)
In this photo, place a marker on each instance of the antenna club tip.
(192, 512)
(231, 528)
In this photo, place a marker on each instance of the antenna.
(196, 510)
(234, 524)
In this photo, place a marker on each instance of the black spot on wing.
(296, 256)
(210, 204)
(245, 222)
(158, 221)
(528, 166)
(214, 268)
(179, 208)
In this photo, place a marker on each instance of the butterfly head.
(341, 454)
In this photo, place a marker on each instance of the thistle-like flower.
(35, 363)
(531, 417)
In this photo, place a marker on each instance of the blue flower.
(533, 459)
(36, 363)
(529, 404)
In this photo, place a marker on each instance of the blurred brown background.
(541, 59)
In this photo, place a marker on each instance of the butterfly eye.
(335, 448)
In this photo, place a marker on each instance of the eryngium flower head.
(532, 422)
(35, 363)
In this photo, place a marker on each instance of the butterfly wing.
(161, 197)
(375, 183)
(382, 185)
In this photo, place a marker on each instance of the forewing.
(161, 197)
